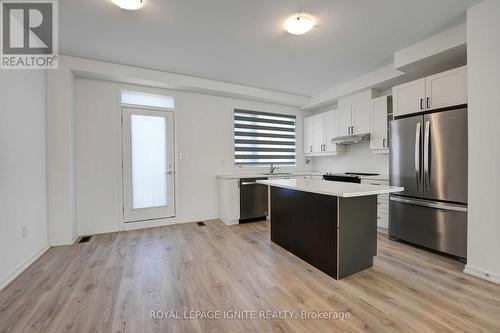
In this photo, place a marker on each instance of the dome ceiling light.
(299, 24)
(129, 4)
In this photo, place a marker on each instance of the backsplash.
(357, 158)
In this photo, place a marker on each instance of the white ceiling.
(242, 41)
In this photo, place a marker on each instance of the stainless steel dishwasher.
(253, 200)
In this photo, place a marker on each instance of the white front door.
(148, 164)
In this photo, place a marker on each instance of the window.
(144, 99)
(262, 138)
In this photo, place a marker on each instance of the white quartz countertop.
(377, 177)
(275, 175)
(338, 189)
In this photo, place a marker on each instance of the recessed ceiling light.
(299, 24)
(129, 4)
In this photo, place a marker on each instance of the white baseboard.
(148, 224)
(477, 272)
(229, 222)
(64, 242)
(21, 268)
(98, 231)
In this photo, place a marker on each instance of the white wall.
(60, 156)
(483, 47)
(358, 158)
(23, 188)
(204, 135)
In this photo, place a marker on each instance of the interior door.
(148, 164)
(345, 120)
(361, 117)
(405, 159)
(445, 156)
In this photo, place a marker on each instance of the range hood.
(350, 139)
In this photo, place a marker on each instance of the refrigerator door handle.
(427, 174)
(417, 154)
(430, 204)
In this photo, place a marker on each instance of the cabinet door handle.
(352, 129)
(383, 143)
(421, 104)
(428, 102)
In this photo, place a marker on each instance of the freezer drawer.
(438, 226)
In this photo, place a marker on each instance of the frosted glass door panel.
(149, 161)
(148, 165)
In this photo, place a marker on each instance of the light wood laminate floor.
(112, 283)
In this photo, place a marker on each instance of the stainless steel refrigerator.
(428, 157)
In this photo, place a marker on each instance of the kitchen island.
(330, 225)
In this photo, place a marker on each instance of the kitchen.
(334, 164)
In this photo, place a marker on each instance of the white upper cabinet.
(378, 130)
(319, 133)
(434, 92)
(446, 89)
(344, 121)
(331, 126)
(409, 97)
(319, 130)
(361, 117)
(308, 135)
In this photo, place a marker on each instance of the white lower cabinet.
(382, 204)
(228, 200)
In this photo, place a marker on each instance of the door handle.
(427, 139)
(417, 154)
(383, 143)
(421, 104)
(428, 102)
(170, 173)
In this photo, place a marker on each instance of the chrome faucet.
(272, 168)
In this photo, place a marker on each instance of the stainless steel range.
(347, 177)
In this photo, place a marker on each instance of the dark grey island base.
(337, 235)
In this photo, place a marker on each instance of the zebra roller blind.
(262, 138)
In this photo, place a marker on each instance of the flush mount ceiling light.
(129, 4)
(299, 24)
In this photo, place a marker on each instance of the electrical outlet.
(24, 231)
